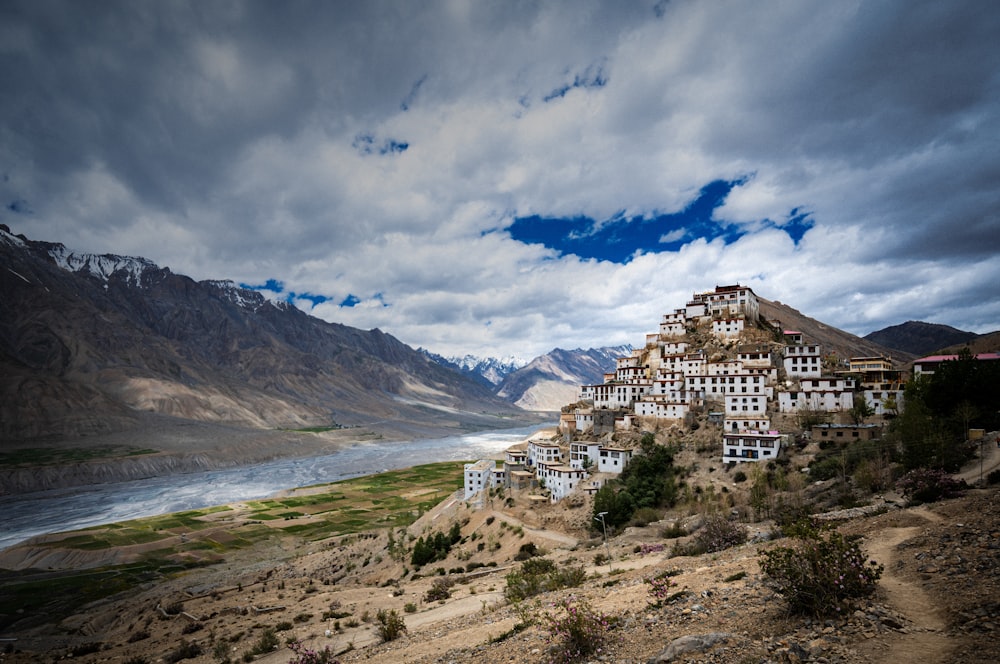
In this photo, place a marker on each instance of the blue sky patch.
(367, 144)
(619, 238)
(278, 287)
(591, 77)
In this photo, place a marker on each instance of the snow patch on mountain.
(101, 266)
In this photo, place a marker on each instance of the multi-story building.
(829, 394)
(613, 459)
(750, 446)
(803, 361)
(479, 476)
(543, 452)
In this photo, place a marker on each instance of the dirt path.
(925, 641)
(989, 462)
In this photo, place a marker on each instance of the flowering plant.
(304, 655)
(822, 574)
(577, 632)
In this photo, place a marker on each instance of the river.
(59, 510)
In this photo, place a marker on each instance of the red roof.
(930, 359)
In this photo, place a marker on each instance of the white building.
(747, 446)
(543, 452)
(561, 480)
(803, 361)
(613, 459)
(479, 476)
(823, 394)
(580, 452)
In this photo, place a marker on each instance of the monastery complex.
(715, 361)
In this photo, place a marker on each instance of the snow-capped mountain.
(95, 344)
(551, 381)
(489, 371)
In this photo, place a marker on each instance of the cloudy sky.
(505, 177)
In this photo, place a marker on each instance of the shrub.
(926, 486)
(304, 655)
(577, 632)
(410, 607)
(644, 516)
(993, 477)
(527, 550)
(659, 587)
(85, 649)
(822, 574)
(673, 531)
(267, 642)
(538, 575)
(390, 625)
(186, 650)
(440, 590)
(739, 476)
(719, 533)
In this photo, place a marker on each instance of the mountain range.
(95, 344)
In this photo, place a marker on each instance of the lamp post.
(600, 517)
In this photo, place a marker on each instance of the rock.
(689, 643)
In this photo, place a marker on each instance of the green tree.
(861, 410)
(616, 502)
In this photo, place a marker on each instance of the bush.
(267, 642)
(926, 486)
(390, 625)
(527, 550)
(644, 516)
(304, 655)
(673, 531)
(659, 587)
(739, 476)
(719, 533)
(410, 607)
(993, 477)
(539, 575)
(821, 575)
(577, 632)
(440, 590)
(186, 650)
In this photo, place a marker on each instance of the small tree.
(861, 410)
(390, 624)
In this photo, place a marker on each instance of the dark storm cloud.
(398, 157)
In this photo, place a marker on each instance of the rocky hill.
(95, 344)
(919, 338)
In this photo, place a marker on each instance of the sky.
(501, 178)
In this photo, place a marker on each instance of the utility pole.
(600, 517)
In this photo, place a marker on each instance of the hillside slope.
(833, 340)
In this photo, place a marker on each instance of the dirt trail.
(925, 641)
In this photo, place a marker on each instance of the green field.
(203, 537)
(38, 456)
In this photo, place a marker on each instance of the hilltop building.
(690, 366)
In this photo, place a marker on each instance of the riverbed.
(59, 510)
